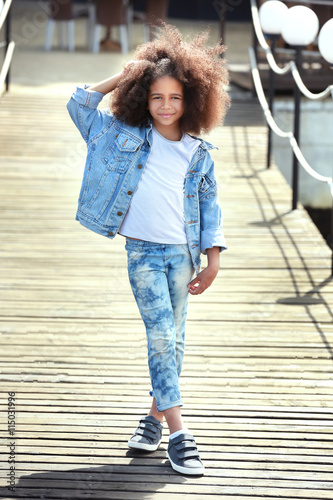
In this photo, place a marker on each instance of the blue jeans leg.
(159, 275)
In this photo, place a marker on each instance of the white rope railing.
(5, 7)
(6, 63)
(4, 12)
(317, 2)
(305, 91)
(273, 125)
(290, 66)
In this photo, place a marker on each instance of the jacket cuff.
(212, 238)
(86, 98)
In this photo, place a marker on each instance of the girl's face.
(166, 106)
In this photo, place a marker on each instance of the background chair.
(155, 11)
(111, 13)
(64, 13)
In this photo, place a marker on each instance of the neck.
(170, 133)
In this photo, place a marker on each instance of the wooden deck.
(257, 377)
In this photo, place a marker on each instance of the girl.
(150, 181)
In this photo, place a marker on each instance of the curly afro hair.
(200, 69)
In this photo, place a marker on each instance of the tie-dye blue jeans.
(159, 275)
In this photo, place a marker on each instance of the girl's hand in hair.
(133, 62)
(130, 63)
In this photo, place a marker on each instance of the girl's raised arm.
(106, 86)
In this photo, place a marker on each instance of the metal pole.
(297, 108)
(7, 44)
(331, 239)
(223, 18)
(270, 102)
(255, 48)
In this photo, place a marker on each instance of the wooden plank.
(257, 375)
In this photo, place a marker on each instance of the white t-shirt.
(156, 212)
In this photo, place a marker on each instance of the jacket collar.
(148, 130)
(204, 144)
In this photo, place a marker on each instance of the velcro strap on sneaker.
(146, 430)
(186, 444)
(182, 438)
(186, 454)
(147, 423)
(186, 447)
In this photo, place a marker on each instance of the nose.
(165, 104)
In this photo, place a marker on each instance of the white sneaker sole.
(143, 446)
(198, 471)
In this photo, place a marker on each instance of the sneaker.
(148, 435)
(183, 455)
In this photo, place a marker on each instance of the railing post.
(223, 17)
(331, 240)
(255, 48)
(7, 44)
(270, 101)
(297, 108)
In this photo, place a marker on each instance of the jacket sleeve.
(211, 233)
(82, 108)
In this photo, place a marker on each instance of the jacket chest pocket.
(206, 188)
(119, 155)
(203, 185)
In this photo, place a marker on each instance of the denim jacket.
(116, 157)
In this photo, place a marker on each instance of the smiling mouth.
(166, 115)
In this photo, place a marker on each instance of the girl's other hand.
(208, 275)
(203, 281)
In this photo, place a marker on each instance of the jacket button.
(119, 213)
(139, 166)
(129, 193)
(110, 233)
